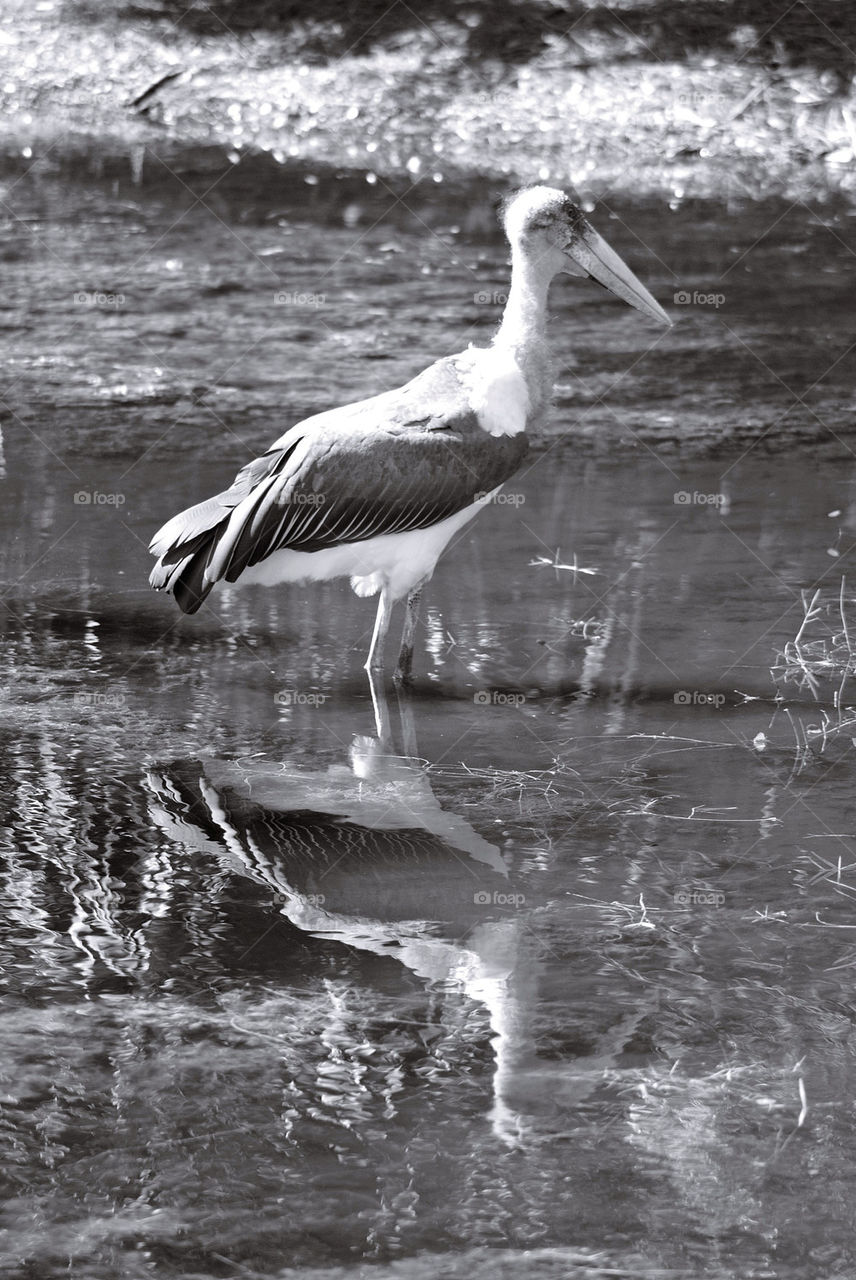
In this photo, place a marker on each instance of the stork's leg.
(381, 710)
(408, 726)
(408, 635)
(374, 662)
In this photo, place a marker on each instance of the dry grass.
(820, 660)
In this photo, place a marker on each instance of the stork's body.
(375, 490)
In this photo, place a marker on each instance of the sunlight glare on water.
(565, 967)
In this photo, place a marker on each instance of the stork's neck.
(524, 321)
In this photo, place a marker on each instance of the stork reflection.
(365, 854)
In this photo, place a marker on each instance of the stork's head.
(545, 226)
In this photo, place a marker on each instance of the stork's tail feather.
(195, 548)
(185, 546)
(185, 579)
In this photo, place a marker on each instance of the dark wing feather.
(400, 461)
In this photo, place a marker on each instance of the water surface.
(562, 966)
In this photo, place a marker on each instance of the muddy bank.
(647, 99)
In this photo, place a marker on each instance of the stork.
(375, 490)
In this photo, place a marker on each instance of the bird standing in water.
(375, 490)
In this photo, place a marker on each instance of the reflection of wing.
(380, 791)
(363, 852)
(404, 460)
(167, 811)
(388, 885)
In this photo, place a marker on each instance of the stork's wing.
(403, 460)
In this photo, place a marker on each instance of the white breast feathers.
(496, 389)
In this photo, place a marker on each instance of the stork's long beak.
(591, 252)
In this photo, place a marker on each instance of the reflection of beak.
(591, 252)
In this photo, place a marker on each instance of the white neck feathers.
(509, 383)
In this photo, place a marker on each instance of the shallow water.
(209, 310)
(563, 967)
